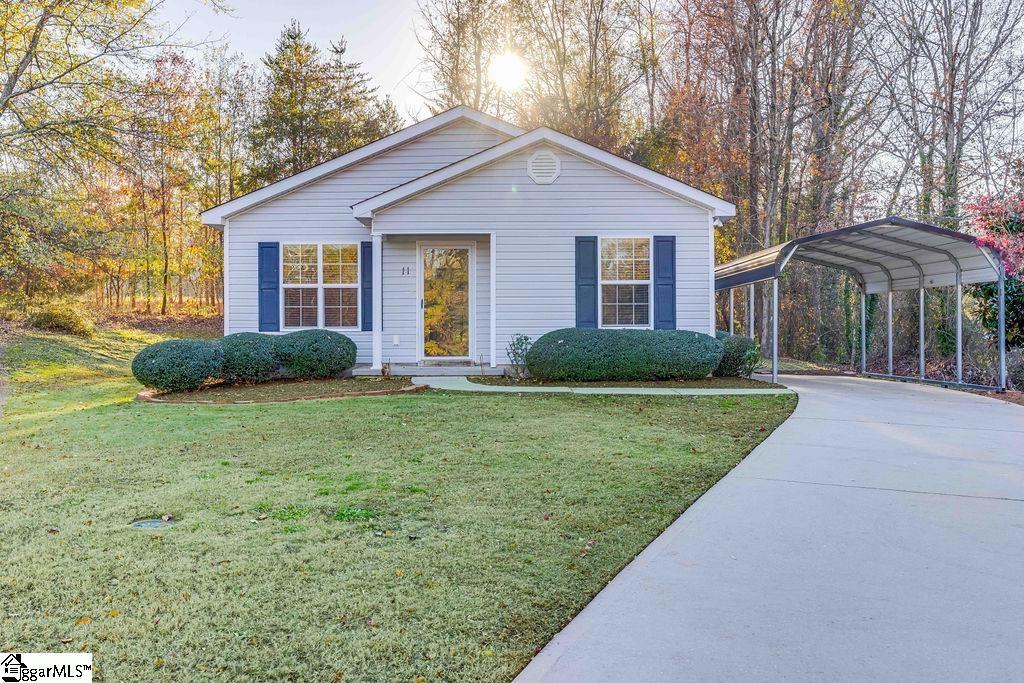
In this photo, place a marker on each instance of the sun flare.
(507, 71)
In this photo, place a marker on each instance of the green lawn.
(287, 390)
(423, 537)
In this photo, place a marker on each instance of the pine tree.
(313, 107)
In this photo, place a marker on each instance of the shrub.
(248, 358)
(62, 318)
(312, 354)
(518, 346)
(586, 355)
(740, 356)
(178, 364)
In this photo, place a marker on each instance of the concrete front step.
(416, 370)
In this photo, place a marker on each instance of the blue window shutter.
(586, 282)
(366, 284)
(665, 283)
(269, 286)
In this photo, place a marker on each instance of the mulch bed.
(1008, 396)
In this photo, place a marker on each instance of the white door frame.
(471, 297)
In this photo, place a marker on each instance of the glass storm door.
(445, 301)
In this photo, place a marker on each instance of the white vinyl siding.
(320, 213)
(536, 227)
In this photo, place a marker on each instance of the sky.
(380, 34)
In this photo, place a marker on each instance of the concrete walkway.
(463, 384)
(878, 534)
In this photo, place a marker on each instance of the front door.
(445, 287)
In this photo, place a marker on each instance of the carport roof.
(890, 253)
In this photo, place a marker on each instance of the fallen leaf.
(113, 613)
(83, 620)
(261, 517)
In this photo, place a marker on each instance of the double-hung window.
(320, 284)
(625, 281)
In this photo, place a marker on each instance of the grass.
(287, 390)
(708, 383)
(423, 537)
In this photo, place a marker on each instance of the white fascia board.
(365, 209)
(215, 216)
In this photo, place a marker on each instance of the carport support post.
(732, 310)
(863, 332)
(959, 327)
(775, 330)
(750, 311)
(920, 331)
(888, 330)
(1002, 326)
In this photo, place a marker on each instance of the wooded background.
(807, 114)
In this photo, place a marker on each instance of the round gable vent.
(543, 167)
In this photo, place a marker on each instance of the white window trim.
(649, 282)
(319, 286)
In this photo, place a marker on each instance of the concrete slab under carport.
(877, 534)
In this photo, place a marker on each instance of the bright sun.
(507, 71)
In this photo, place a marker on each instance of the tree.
(998, 222)
(65, 101)
(459, 38)
(312, 109)
(951, 72)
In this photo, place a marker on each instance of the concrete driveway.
(877, 535)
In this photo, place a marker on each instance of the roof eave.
(216, 216)
(717, 206)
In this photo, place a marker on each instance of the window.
(316, 276)
(626, 282)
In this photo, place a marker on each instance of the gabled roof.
(365, 209)
(216, 215)
(891, 253)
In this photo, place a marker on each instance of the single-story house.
(439, 243)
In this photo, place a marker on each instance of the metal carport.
(883, 256)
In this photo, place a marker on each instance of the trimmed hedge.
(248, 358)
(178, 364)
(740, 356)
(313, 354)
(588, 355)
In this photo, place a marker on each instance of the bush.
(62, 318)
(740, 356)
(248, 358)
(178, 364)
(309, 354)
(518, 346)
(586, 355)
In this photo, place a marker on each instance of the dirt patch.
(708, 383)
